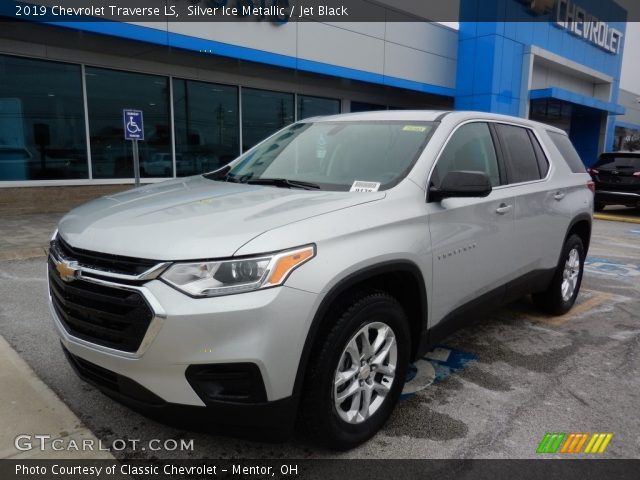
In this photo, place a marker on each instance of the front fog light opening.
(232, 382)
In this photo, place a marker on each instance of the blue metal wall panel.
(187, 42)
(585, 127)
(491, 55)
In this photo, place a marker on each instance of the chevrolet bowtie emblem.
(67, 271)
(539, 7)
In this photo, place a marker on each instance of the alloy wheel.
(570, 275)
(365, 372)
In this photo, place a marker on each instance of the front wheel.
(357, 375)
(565, 286)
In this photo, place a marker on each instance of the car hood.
(194, 218)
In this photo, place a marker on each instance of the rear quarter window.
(568, 152)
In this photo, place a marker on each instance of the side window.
(520, 156)
(470, 148)
(569, 153)
(543, 161)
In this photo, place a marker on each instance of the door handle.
(503, 209)
(559, 196)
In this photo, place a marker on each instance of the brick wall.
(26, 200)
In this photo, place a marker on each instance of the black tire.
(598, 207)
(319, 417)
(551, 301)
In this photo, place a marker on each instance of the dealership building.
(210, 91)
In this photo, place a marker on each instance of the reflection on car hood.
(194, 218)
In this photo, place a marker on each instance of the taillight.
(636, 174)
(592, 171)
(591, 186)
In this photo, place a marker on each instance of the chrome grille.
(113, 317)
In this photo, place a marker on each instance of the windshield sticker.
(360, 186)
(414, 128)
(321, 148)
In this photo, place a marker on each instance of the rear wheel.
(565, 286)
(357, 375)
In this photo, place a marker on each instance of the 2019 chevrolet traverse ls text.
(295, 285)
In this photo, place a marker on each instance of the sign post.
(134, 130)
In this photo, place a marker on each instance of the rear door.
(472, 238)
(542, 210)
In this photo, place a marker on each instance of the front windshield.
(334, 155)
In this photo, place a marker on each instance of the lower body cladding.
(222, 361)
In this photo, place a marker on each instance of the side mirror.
(460, 184)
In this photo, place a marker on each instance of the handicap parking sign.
(133, 124)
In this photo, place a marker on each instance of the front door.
(472, 238)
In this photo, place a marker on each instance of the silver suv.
(295, 285)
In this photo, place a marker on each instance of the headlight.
(210, 279)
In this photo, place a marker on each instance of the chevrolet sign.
(575, 19)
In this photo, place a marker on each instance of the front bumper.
(269, 420)
(266, 328)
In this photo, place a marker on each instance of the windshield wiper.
(232, 178)
(218, 174)
(284, 183)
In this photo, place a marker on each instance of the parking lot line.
(616, 218)
(434, 367)
(597, 299)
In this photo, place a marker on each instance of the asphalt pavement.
(492, 390)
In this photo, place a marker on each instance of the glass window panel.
(42, 129)
(206, 123)
(366, 107)
(263, 113)
(316, 106)
(543, 162)
(470, 148)
(568, 152)
(551, 112)
(108, 93)
(611, 161)
(519, 153)
(335, 154)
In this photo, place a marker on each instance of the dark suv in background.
(617, 179)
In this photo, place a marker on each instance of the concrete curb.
(29, 407)
(616, 218)
(22, 253)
